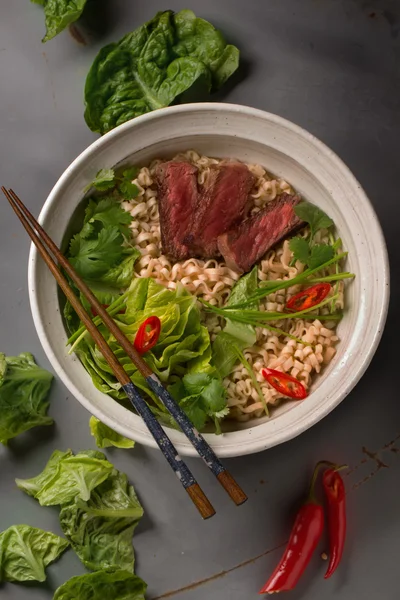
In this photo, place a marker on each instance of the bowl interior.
(287, 152)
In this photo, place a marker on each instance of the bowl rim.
(293, 429)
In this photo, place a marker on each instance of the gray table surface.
(332, 67)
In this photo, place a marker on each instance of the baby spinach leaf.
(59, 14)
(153, 66)
(101, 529)
(68, 477)
(113, 585)
(314, 216)
(25, 552)
(106, 437)
(24, 389)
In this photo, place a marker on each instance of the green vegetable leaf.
(153, 66)
(35, 484)
(313, 215)
(128, 190)
(301, 249)
(24, 389)
(25, 552)
(59, 14)
(320, 254)
(68, 478)
(101, 529)
(92, 258)
(224, 353)
(104, 180)
(241, 292)
(106, 437)
(117, 585)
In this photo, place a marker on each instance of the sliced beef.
(244, 246)
(177, 201)
(223, 203)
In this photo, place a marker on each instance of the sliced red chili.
(285, 384)
(147, 335)
(309, 297)
(96, 314)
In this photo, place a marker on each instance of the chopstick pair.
(41, 240)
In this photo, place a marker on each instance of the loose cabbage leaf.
(101, 529)
(67, 477)
(24, 389)
(153, 66)
(59, 14)
(106, 437)
(25, 552)
(117, 585)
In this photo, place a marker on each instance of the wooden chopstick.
(203, 449)
(178, 465)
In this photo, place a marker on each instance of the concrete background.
(332, 67)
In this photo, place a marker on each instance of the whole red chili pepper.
(309, 297)
(306, 533)
(148, 334)
(336, 498)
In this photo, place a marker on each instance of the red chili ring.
(147, 335)
(285, 384)
(309, 297)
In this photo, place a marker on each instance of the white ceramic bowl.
(225, 130)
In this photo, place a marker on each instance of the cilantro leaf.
(131, 173)
(104, 180)
(300, 248)
(94, 257)
(128, 189)
(314, 216)
(320, 254)
(109, 212)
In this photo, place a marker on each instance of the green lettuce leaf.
(24, 389)
(103, 585)
(26, 551)
(101, 529)
(153, 66)
(67, 477)
(183, 348)
(59, 14)
(35, 484)
(106, 437)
